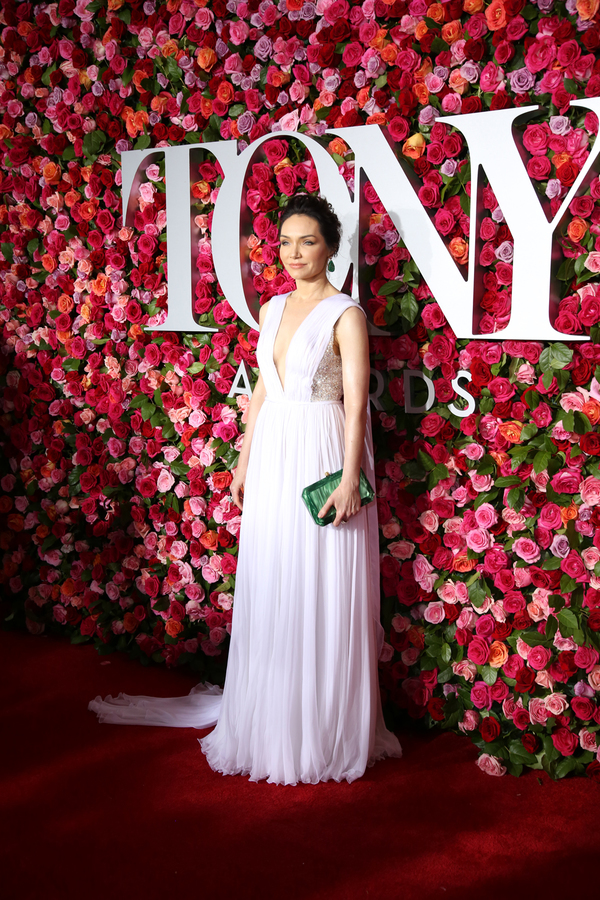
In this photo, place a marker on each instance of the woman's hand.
(346, 499)
(237, 487)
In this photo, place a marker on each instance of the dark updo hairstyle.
(321, 211)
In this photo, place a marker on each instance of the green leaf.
(477, 594)
(426, 461)
(93, 144)
(507, 481)
(568, 622)
(540, 461)
(555, 356)
(489, 675)
(446, 653)
(519, 754)
(236, 110)
(390, 287)
(556, 601)
(567, 584)
(529, 431)
(409, 307)
(7, 251)
(143, 142)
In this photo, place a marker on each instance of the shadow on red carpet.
(96, 811)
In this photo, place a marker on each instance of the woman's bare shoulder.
(262, 313)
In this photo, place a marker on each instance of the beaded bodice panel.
(327, 382)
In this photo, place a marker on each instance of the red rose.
(583, 708)
(531, 742)
(590, 443)
(525, 680)
(565, 741)
(435, 708)
(594, 620)
(593, 770)
(489, 729)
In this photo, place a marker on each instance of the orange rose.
(201, 190)
(377, 119)
(414, 147)
(279, 78)
(511, 431)
(225, 92)
(577, 229)
(158, 104)
(378, 40)
(459, 248)
(209, 540)
(362, 97)
(567, 513)
(88, 209)
(452, 31)
(472, 6)
(462, 563)
(424, 69)
(495, 15)
(68, 587)
(256, 254)
(48, 262)
(173, 628)
(15, 522)
(560, 158)
(436, 12)
(51, 173)
(389, 54)
(170, 48)
(591, 409)
(421, 92)
(379, 317)
(498, 654)
(337, 145)
(457, 82)
(421, 30)
(269, 273)
(587, 9)
(71, 198)
(5, 504)
(65, 303)
(284, 164)
(130, 623)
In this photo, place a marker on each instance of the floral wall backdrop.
(117, 524)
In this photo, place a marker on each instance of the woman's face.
(302, 249)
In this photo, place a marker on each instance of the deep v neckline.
(294, 334)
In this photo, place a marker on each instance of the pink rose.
(491, 765)
(486, 515)
(556, 704)
(590, 491)
(527, 550)
(538, 657)
(434, 612)
(470, 721)
(165, 481)
(550, 516)
(537, 711)
(586, 658)
(478, 651)
(480, 695)
(567, 481)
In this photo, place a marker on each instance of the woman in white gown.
(301, 698)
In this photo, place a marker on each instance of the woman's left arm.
(353, 340)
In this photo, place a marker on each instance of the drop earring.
(331, 266)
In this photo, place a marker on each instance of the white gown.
(301, 698)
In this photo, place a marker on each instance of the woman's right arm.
(256, 401)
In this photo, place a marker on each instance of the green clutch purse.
(315, 495)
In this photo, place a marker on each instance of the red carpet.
(101, 811)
